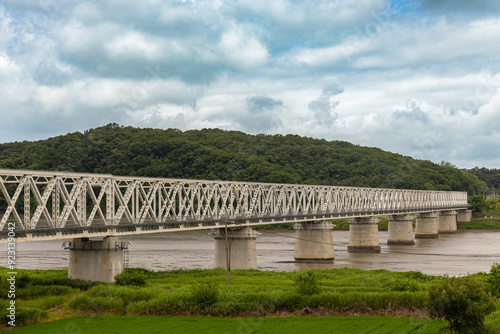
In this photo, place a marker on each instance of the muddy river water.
(456, 254)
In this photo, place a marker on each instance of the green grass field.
(209, 325)
(252, 292)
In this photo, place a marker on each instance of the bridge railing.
(37, 200)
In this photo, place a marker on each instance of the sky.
(415, 77)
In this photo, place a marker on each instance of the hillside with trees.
(490, 176)
(215, 154)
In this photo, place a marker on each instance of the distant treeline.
(490, 176)
(215, 154)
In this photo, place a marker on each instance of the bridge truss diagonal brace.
(11, 209)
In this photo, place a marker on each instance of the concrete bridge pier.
(464, 215)
(400, 230)
(242, 254)
(95, 260)
(363, 235)
(426, 225)
(313, 242)
(447, 222)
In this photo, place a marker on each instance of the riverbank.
(489, 219)
(482, 222)
(48, 295)
(340, 224)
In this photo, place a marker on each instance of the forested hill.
(490, 176)
(229, 155)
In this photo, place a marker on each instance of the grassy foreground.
(209, 325)
(50, 295)
(254, 297)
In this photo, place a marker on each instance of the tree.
(477, 203)
(462, 301)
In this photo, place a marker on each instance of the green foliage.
(35, 285)
(490, 176)
(493, 280)
(33, 291)
(46, 302)
(383, 225)
(205, 294)
(28, 316)
(61, 281)
(492, 322)
(251, 293)
(340, 224)
(406, 284)
(131, 277)
(416, 275)
(492, 204)
(103, 305)
(462, 301)
(477, 203)
(22, 280)
(115, 299)
(306, 283)
(23, 315)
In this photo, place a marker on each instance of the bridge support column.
(426, 225)
(447, 222)
(400, 230)
(95, 260)
(363, 235)
(313, 242)
(464, 215)
(243, 254)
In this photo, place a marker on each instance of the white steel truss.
(50, 203)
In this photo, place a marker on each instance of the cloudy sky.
(416, 77)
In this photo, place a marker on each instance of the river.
(454, 254)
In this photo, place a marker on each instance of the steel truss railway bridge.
(44, 205)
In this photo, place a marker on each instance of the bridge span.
(44, 205)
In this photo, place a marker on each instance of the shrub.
(22, 280)
(162, 305)
(462, 301)
(492, 204)
(28, 316)
(131, 277)
(24, 315)
(415, 275)
(493, 279)
(406, 284)
(99, 304)
(492, 322)
(34, 291)
(307, 283)
(46, 302)
(63, 281)
(205, 295)
(126, 293)
(291, 301)
(477, 203)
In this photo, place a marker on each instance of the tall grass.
(251, 293)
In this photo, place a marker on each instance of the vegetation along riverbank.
(47, 295)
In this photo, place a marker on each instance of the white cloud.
(417, 80)
(242, 50)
